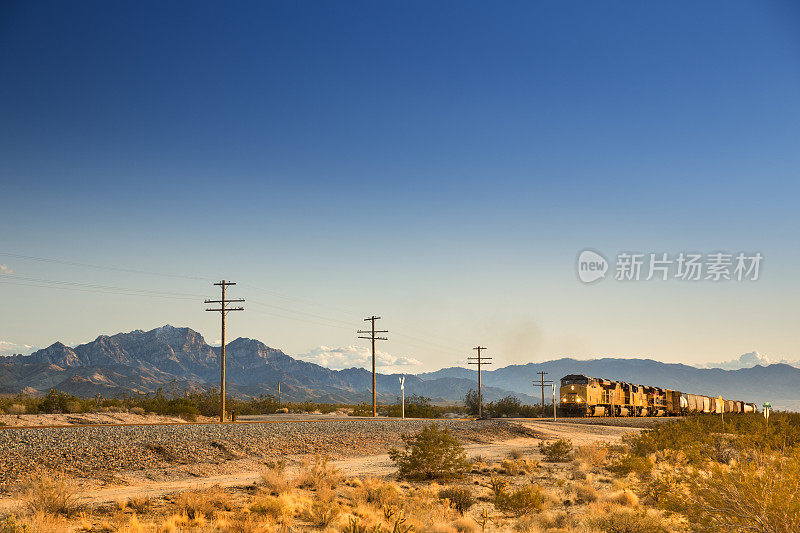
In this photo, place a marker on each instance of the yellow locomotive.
(582, 395)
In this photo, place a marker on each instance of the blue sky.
(439, 164)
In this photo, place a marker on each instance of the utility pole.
(279, 394)
(223, 310)
(554, 402)
(480, 360)
(541, 383)
(373, 338)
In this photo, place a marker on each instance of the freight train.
(586, 396)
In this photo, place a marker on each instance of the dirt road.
(578, 433)
(365, 465)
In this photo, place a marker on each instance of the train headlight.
(578, 400)
(572, 387)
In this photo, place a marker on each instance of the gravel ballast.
(103, 452)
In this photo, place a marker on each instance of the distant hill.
(179, 358)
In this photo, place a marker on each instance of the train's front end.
(573, 395)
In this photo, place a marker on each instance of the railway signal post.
(480, 360)
(223, 310)
(373, 338)
(403, 395)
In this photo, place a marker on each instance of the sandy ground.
(39, 420)
(368, 465)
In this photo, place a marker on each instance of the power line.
(92, 288)
(223, 310)
(100, 267)
(421, 340)
(480, 360)
(424, 338)
(373, 338)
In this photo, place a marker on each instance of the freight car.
(587, 396)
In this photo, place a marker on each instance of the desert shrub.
(516, 453)
(595, 454)
(460, 498)
(140, 505)
(378, 493)
(16, 409)
(558, 520)
(524, 500)
(361, 409)
(52, 495)
(616, 519)
(267, 506)
(275, 479)
(625, 498)
(318, 474)
(626, 464)
(510, 407)
(464, 525)
(557, 452)
(509, 468)
(416, 407)
(322, 512)
(354, 525)
(471, 402)
(757, 495)
(138, 411)
(700, 439)
(498, 484)
(586, 492)
(197, 503)
(433, 453)
(73, 406)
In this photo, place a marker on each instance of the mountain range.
(179, 358)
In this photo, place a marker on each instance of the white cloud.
(5, 269)
(358, 356)
(749, 360)
(11, 348)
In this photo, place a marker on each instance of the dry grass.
(625, 498)
(203, 503)
(322, 511)
(50, 495)
(139, 505)
(516, 453)
(268, 506)
(524, 500)
(619, 519)
(275, 480)
(318, 474)
(586, 492)
(595, 454)
(552, 498)
(378, 492)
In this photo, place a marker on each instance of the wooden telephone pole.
(480, 360)
(541, 383)
(373, 338)
(223, 310)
